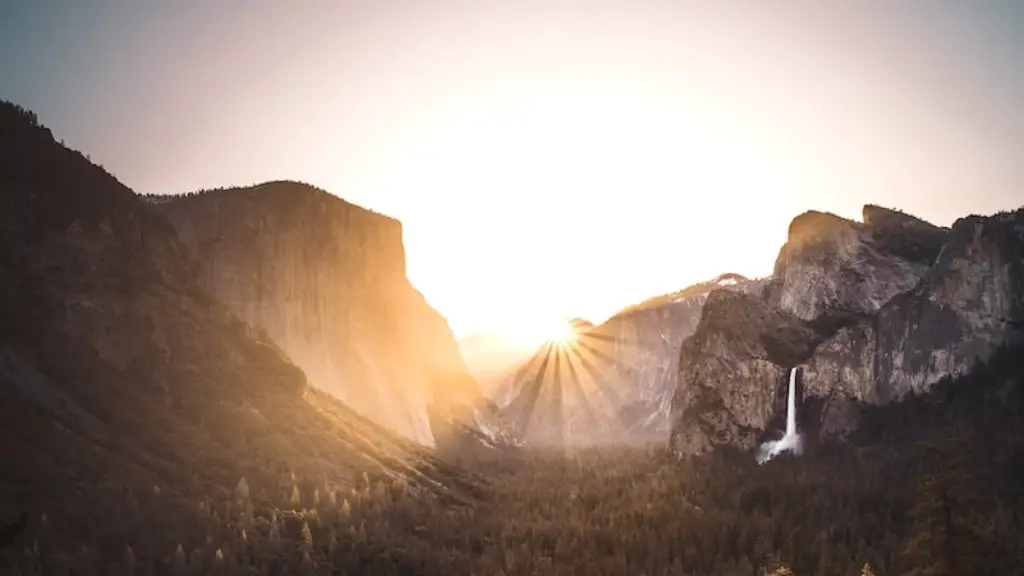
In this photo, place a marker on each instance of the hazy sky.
(548, 159)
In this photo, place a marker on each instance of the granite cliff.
(616, 380)
(128, 392)
(325, 281)
(872, 311)
(643, 342)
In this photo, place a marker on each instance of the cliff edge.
(325, 281)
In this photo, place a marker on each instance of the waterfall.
(791, 404)
(791, 440)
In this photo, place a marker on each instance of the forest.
(927, 486)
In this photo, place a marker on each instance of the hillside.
(134, 402)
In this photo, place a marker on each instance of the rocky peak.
(832, 268)
(903, 235)
(814, 226)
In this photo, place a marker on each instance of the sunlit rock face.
(120, 374)
(325, 280)
(616, 381)
(644, 342)
(870, 311)
(831, 267)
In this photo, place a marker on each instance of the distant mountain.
(616, 381)
(872, 311)
(130, 394)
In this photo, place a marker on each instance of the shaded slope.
(121, 376)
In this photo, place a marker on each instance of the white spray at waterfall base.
(791, 440)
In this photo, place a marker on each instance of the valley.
(245, 381)
(613, 510)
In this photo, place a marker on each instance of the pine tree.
(944, 543)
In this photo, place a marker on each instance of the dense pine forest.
(927, 486)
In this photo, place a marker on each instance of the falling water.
(791, 405)
(791, 440)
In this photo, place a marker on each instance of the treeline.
(231, 189)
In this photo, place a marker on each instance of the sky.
(548, 159)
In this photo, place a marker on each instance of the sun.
(561, 334)
(540, 333)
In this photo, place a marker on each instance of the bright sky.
(548, 159)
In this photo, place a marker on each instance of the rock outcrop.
(325, 281)
(872, 311)
(127, 391)
(831, 267)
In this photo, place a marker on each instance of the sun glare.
(562, 334)
(559, 333)
(570, 162)
(535, 334)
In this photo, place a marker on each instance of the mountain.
(325, 281)
(617, 379)
(872, 312)
(135, 405)
(644, 339)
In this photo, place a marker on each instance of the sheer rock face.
(617, 380)
(325, 280)
(871, 311)
(645, 359)
(730, 370)
(831, 266)
(644, 349)
(956, 317)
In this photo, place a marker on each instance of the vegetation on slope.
(899, 497)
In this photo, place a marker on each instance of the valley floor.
(611, 511)
(930, 483)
